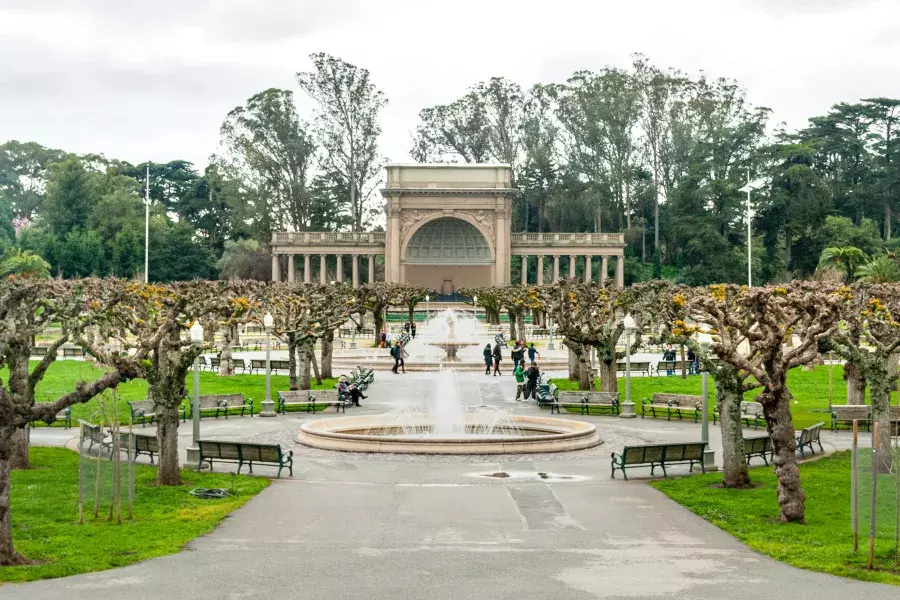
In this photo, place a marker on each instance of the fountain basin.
(451, 348)
(378, 433)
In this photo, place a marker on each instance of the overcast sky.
(154, 80)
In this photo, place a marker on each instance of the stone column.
(620, 272)
(540, 269)
(524, 269)
(340, 267)
(392, 241)
(307, 274)
(371, 268)
(355, 271)
(604, 268)
(572, 266)
(587, 268)
(556, 268)
(276, 268)
(501, 237)
(322, 268)
(290, 268)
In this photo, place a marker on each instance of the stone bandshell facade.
(467, 206)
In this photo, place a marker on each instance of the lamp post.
(193, 453)
(550, 330)
(147, 229)
(267, 405)
(427, 311)
(709, 455)
(629, 324)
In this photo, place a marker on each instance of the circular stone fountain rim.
(327, 434)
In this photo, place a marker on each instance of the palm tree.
(845, 258)
(24, 263)
(879, 269)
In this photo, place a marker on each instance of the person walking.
(519, 374)
(532, 377)
(488, 358)
(498, 356)
(518, 355)
(413, 330)
(401, 350)
(395, 354)
(406, 327)
(533, 354)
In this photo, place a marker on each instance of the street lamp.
(267, 404)
(147, 229)
(427, 311)
(475, 309)
(709, 455)
(196, 333)
(550, 331)
(630, 326)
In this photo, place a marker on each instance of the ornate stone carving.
(485, 218)
(408, 218)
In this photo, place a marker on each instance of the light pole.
(751, 185)
(550, 330)
(147, 229)
(427, 311)
(196, 332)
(629, 324)
(475, 309)
(267, 405)
(709, 455)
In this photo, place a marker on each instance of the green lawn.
(824, 544)
(809, 388)
(62, 376)
(45, 510)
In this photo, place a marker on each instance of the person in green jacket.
(520, 380)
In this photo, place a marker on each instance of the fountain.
(450, 342)
(448, 427)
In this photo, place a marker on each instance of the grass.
(62, 376)
(809, 388)
(45, 509)
(824, 543)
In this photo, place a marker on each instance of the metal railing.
(567, 239)
(314, 238)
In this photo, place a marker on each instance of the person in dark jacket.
(498, 356)
(532, 377)
(488, 358)
(413, 331)
(518, 355)
(532, 353)
(351, 390)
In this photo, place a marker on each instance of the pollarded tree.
(519, 299)
(27, 308)
(376, 298)
(765, 318)
(490, 298)
(872, 310)
(410, 295)
(157, 318)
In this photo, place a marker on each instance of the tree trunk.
(780, 425)
(893, 360)
(580, 365)
(520, 317)
(608, 381)
(18, 448)
(306, 351)
(412, 310)
(378, 316)
(226, 361)
(292, 360)
(8, 555)
(167, 438)
(327, 353)
(683, 363)
(574, 363)
(728, 399)
(512, 324)
(856, 384)
(880, 396)
(315, 365)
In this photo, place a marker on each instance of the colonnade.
(293, 274)
(573, 259)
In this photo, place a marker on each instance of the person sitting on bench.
(348, 388)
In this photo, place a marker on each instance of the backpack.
(395, 351)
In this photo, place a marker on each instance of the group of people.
(670, 356)
(493, 356)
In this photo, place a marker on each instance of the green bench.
(636, 367)
(751, 414)
(669, 405)
(242, 453)
(659, 455)
(95, 435)
(308, 399)
(142, 411)
(65, 415)
(143, 444)
(809, 436)
(584, 401)
(217, 404)
(758, 446)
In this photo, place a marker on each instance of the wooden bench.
(751, 414)
(845, 414)
(65, 415)
(143, 411)
(221, 404)
(242, 453)
(757, 446)
(309, 399)
(659, 455)
(73, 352)
(636, 367)
(586, 400)
(39, 351)
(95, 435)
(669, 405)
(143, 444)
(806, 437)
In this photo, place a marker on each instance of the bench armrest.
(138, 412)
(617, 458)
(646, 401)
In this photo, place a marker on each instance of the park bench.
(806, 437)
(585, 400)
(95, 435)
(242, 453)
(310, 398)
(845, 414)
(669, 405)
(546, 394)
(65, 415)
(214, 362)
(671, 365)
(202, 363)
(39, 351)
(143, 444)
(636, 367)
(239, 364)
(751, 414)
(73, 352)
(659, 455)
(220, 404)
(757, 446)
(143, 411)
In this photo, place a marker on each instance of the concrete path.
(390, 527)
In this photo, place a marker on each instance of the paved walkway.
(389, 527)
